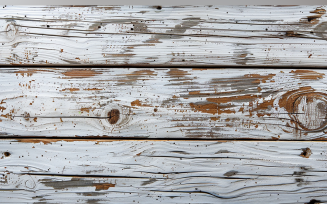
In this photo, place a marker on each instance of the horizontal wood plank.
(52, 171)
(164, 103)
(164, 36)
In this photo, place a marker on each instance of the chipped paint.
(103, 186)
(242, 98)
(259, 78)
(81, 73)
(70, 89)
(2, 108)
(174, 72)
(308, 74)
(137, 102)
(92, 89)
(87, 109)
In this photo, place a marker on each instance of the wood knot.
(113, 116)
(306, 152)
(306, 108)
(11, 31)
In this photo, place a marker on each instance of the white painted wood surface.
(70, 171)
(59, 127)
(164, 36)
(164, 103)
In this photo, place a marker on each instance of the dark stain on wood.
(76, 182)
(151, 180)
(187, 23)
(113, 116)
(140, 27)
(222, 151)
(230, 173)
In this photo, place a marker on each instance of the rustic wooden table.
(155, 104)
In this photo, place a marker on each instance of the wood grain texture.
(53, 171)
(164, 36)
(164, 103)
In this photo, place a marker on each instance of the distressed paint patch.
(81, 73)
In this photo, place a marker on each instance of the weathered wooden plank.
(164, 103)
(161, 35)
(52, 171)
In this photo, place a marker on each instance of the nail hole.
(159, 7)
(113, 116)
(7, 154)
(48, 26)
